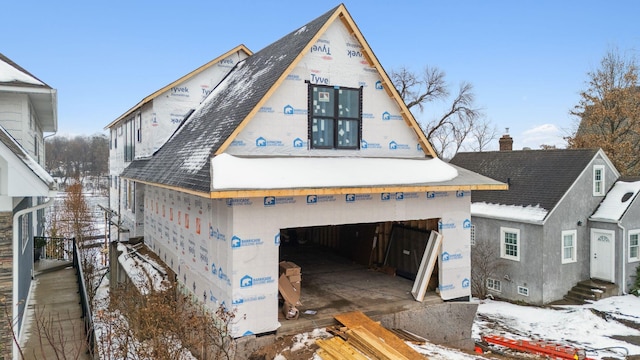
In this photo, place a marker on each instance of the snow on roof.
(617, 201)
(20, 152)
(231, 172)
(141, 269)
(196, 157)
(8, 73)
(510, 212)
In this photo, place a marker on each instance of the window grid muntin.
(472, 235)
(493, 284)
(524, 291)
(336, 113)
(569, 245)
(634, 245)
(598, 180)
(510, 244)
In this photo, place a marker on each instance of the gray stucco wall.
(528, 271)
(577, 205)
(630, 221)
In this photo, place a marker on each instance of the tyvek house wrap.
(231, 258)
(240, 243)
(280, 126)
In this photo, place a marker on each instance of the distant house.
(308, 133)
(544, 228)
(28, 108)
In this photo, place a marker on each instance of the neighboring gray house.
(615, 235)
(540, 227)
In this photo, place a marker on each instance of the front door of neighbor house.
(602, 255)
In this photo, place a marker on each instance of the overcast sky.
(527, 60)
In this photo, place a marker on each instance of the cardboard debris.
(288, 292)
(288, 268)
(289, 311)
(289, 287)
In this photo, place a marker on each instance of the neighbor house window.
(25, 229)
(569, 246)
(634, 246)
(36, 148)
(472, 234)
(494, 285)
(598, 180)
(335, 120)
(510, 243)
(523, 291)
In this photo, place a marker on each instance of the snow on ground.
(577, 326)
(573, 325)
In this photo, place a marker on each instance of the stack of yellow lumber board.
(366, 339)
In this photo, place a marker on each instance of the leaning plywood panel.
(426, 266)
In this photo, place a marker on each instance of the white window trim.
(503, 231)
(574, 257)
(524, 291)
(472, 235)
(634, 232)
(602, 185)
(493, 288)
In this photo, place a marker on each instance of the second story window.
(598, 180)
(36, 148)
(129, 142)
(335, 120)
(139, 128)
(510, 244)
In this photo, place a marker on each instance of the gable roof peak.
(232, 104)
(14, 74)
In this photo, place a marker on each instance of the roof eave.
(158, 92)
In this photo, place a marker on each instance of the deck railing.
(67, 249)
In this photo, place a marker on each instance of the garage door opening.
(366, 267)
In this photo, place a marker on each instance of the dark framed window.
(129, 143)
(335, 117)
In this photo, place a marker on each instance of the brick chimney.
(506, 142)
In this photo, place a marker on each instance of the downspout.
(624, 258)
(44, 144)
(16, 256)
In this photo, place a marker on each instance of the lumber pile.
(362, 338)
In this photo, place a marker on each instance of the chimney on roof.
(506, 142)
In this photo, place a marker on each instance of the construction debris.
(363, 338)
(289, 287)
(539, 347)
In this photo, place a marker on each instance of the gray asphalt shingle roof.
(184, 160)
(535, 177)
(9, 62)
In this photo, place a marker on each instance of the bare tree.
(164, 324)
(449, 131)
(609, 112)
(483, 134)
(485, 264)
(77, 157)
